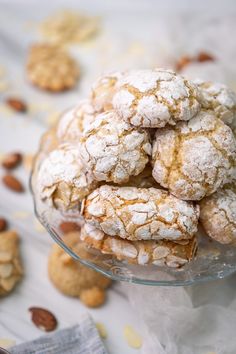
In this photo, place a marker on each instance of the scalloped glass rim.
(214, 261)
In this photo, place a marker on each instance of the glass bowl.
(213, 260)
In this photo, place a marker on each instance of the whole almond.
(69, 226)
(13, 183)
(3, 224)
(17, 104)
(203, 56)
(43, 319)
(12, 160)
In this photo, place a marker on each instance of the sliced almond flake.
(52, 118)
(5, 256)
(21, 214)
(18, 265)
(6, 343)
(101, 330)
(6, 270)
(38, 226)
(4, 85)
(9, 283)
(133, 339)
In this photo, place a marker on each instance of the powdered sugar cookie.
(140, 213)
(162, 252)
(195, 158)
(153, 98)
(62, 179)
(114, 150)
(73, 122)
(218, 215)
(103, 91)
(220, 99)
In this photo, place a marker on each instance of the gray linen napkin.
(82, 338)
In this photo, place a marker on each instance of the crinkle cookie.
(74, 279)
(73, 122)
(218, 215)
(140, 213)
(162, 252)
(220, 99)
(195, 158)
(11, 270)
(153, 98)
(51, 68)
(103, 91)
(62, 180)
(114, 150)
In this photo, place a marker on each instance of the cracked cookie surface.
(161, 253)
(153, 98)
(62, 179)
(113, 150)
(218, 215)
(220, 99)
(195, 158)
(140, 213)
(103, 91)
(73, 122)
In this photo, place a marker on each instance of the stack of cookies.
(140, 162)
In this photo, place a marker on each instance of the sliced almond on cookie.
(18, 266)
(9, 283)
(6, 270)
(5, 256)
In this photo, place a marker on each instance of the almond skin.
(69, 226)
(3, 224)
(203, 56)
(13, 183)
(43, 319)
(17, 104)
(12, 160)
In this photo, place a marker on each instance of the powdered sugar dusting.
(114, 150)
(103, 90)
(73, 123)
(218, 215)
(153, 98)
(173, 254)
(141, 214)
(62, 178)
(195, 158)
(220, 99)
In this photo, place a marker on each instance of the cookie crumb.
(6, 343)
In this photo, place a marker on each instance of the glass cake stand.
(213, 260)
